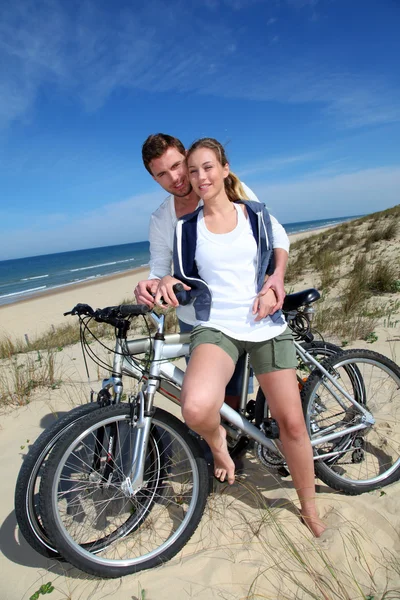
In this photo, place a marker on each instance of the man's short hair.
(155, 146)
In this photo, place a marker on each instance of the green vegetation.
(355, 265)
(44, 589)
(21, 374)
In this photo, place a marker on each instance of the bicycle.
(125, 487)
(299, 312)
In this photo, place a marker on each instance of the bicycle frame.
(166, 378)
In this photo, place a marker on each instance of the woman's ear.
(226, 170)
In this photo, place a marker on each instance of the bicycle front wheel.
(363, 460)
(93, 522)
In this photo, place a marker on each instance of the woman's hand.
(166, 292)
(264, 304)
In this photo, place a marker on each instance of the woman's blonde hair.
(233, 186)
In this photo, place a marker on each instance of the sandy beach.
(248, 542)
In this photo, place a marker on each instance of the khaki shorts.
(265, 357)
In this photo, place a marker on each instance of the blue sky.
(305, 93)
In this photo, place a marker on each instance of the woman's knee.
(195, 407)
(194, 414)
(292, 427)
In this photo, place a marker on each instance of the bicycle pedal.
(251, 409)
(283, 472)
(270, 428)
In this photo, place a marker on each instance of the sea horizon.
(22, 278)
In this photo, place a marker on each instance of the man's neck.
(185, 205)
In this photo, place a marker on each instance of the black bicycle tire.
(25, 513)
(90, 563)
(322, 469)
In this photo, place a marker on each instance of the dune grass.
(356, 266)
(21, 374)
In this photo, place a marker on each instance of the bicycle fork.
(133, 483)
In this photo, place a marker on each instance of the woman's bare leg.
(209, 370)
(281, 389)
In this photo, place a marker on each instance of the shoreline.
(61, 289)
(37, 314)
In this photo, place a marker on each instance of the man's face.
(170, 171)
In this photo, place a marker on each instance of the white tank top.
(227, 262)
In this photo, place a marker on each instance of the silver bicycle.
(125, 486)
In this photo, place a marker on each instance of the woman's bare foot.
(224, 467)
(314, 524)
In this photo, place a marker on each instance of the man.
(164, 158)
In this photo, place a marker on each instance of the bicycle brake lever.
(81, 309)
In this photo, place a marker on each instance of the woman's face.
(206, 173)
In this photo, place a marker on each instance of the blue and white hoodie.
(185, 268)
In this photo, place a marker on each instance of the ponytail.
(234, 189)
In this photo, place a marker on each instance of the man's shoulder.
(249, 192)
(164, 208)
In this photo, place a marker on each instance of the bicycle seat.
(294, 301)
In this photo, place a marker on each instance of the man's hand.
(264, 304)
(275, 283)
(145, 291)
(166, 292)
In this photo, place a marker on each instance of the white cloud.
(115, 223)
(360, 192)
(276, 163)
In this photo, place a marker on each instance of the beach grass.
(21, 374)
(356, 266)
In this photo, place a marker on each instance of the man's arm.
(275, 281)
(161, 238)
(160, 260)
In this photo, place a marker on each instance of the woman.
(222, 253)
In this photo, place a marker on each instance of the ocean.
(26, 277)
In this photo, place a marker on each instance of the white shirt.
(228, 263)
(161, 237)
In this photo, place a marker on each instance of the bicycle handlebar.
(110, 313)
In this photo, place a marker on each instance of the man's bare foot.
(314, 524)
(224, 467)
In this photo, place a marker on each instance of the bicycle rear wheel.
(318, 350)
(93, 523)
(26, 498)
(369, 458)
